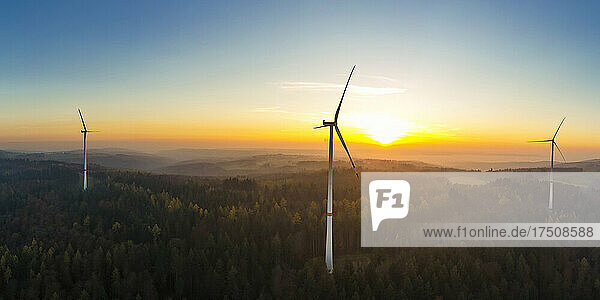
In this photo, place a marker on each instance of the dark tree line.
(136, 235)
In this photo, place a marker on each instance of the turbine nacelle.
(326, 124)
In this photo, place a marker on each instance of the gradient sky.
(468, 76)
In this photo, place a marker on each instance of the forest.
(137, 235)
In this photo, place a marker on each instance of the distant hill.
(485, 166)
(110, 157)
(282, 163)
(556, 169)
(380, 165)
(215, 155)
(253, 162)
(253, 165)
(591, 165)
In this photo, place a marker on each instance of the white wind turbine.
(85, 132)
(553, 144)
(332, 125)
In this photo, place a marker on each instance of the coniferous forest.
(136, 235)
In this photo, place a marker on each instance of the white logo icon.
(389, 200)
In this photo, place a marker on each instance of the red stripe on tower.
(329, 214)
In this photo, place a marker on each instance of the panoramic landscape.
(215, 150)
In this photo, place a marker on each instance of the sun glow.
(382, 128)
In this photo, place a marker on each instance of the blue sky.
(140, 66)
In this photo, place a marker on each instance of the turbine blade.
(82, 122)
(337, 112)
(320, 126)
(561, 122)
(346, 148)
(561, 154)
(542, 141)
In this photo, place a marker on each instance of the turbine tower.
(553, 144)
(85, 132)
(332, 126)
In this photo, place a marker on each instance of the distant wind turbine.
(553, 144)
(332, 125)
(85, 132)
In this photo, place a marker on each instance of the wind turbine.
(332, 126)
(85, 132)
(553, 144)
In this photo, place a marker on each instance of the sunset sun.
(383, 129)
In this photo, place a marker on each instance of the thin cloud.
(377, 77)
(269, 109)
(354, 89)
(292, 115)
